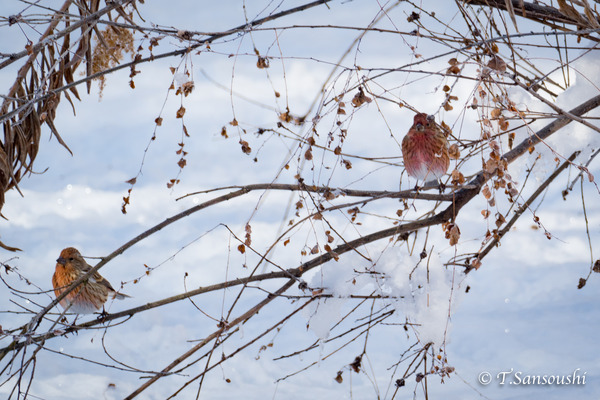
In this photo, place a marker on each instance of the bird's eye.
(430, 118)
(71, 258)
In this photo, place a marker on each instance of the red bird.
(88, 297)
(425, 149)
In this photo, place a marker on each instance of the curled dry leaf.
(285, 117)
(497, 64)
(454, 152)
(457, 177)
(308, 154)
(262, 62)
(486, 192)
(245, 147)
(490, 166)
(356, 364)
(360, 98)
(315, 249)
(452, 233)
(500, 220)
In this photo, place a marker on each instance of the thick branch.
(527, 10)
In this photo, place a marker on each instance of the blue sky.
(523, 310)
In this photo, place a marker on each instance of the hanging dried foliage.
(47, 75)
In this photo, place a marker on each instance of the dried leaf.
(262, 62)
(338, 378)
(486, 192)
(308, 154)
(360, 98)
(497, 64)
(454, 151)
(245, 147)
(457, 177)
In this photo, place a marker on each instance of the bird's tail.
(120, 296)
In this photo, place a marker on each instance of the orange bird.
(425, 149)
(90, 295)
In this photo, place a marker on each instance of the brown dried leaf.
(454, 151)
(497, 64)
(486, 192)
(500, 220)
(457, 177)
(360, 98)
(262, 62)
(308, 154)
(245, 147)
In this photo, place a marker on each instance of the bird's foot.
(102, 316)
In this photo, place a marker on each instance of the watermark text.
(512, 377)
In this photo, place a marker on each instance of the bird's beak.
(420, 127)
(61, 261)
